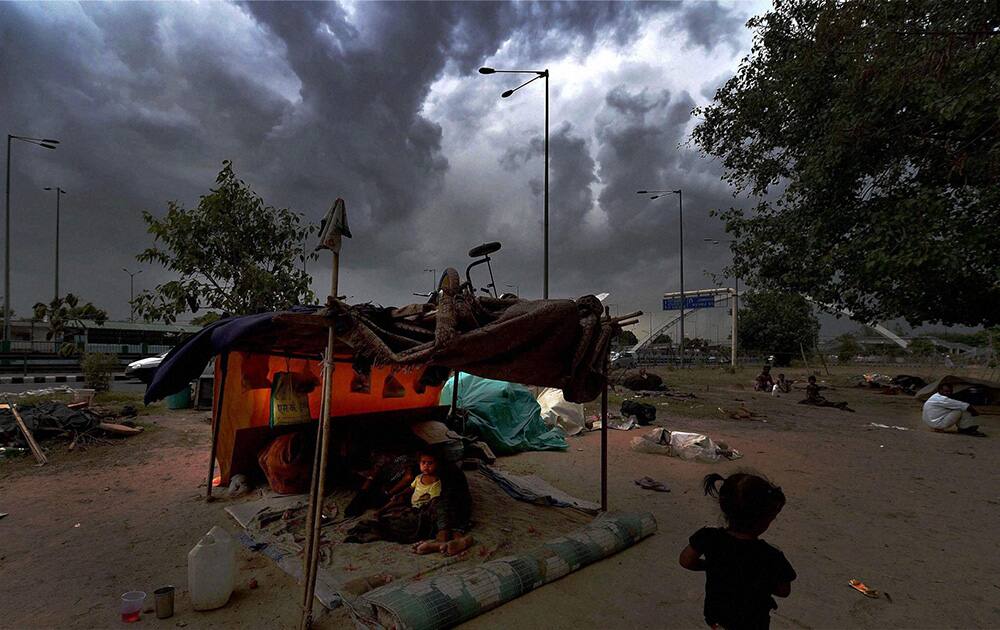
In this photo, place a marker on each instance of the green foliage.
(626, 338)
(866, 133)
(978, 339)
(778, 323)
(921, 347)
(847, 348)
(67, 314)
(231, 253)
(208, 318)
(97, 370)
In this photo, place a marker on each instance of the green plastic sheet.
(504, 415)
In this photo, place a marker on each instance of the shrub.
(97, 370)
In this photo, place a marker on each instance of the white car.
(144, 369)
(625, 360)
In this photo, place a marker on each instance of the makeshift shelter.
(985, 395)
(405, 355)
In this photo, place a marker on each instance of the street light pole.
(539, 74)
(59, 193)
(131, 292)
(680, 219)
(736, 304)
(46, 143)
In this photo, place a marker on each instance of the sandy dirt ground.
(911, 513)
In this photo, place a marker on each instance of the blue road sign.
(690, 303)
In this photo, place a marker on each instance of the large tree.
(232, 253)
(867, 135)
(773, 322)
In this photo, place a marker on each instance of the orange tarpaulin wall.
(246, 402)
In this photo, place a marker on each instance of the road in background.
(117, 386)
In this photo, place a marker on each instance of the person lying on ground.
(941, 412)
(764, 381)
(814, 398)
(433, 512)
(742, 572)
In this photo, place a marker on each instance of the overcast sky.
(381, 104)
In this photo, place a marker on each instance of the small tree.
(663, 340)
(921, 347)
(232, 253)
(847, 348)
(66, 315)
(97, 370)
(778, 323)
(626, 338)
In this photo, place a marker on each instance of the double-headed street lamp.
(656, 194)
(46, 143)
(59, 193)
(539, 74)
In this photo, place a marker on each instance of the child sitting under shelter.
(433, 512)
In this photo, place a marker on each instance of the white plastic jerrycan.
(212, 570)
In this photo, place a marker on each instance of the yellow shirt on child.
(422, 493)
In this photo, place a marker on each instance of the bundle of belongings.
(504, 415)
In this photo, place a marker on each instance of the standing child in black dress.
(742, 571)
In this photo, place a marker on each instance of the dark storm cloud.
(709, 24)
(313, 101)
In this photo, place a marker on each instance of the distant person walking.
(942, 412)
(742, 572)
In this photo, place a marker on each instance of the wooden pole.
(314, 483)
(315, 512)
(604, 433)
(217, 422)
(30, 439)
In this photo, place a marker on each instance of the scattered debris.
(252, 584)
(644, 413)
(118, 429)
(651, 484)
(643, 381)
(860, 587)
(615, 421)
(742, 413)
(25, 431)
(81, 424)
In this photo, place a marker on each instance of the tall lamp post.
(46, 143)
(656, 194)
(131, 292)
(539, 74)
(59, 193)
(736, 300)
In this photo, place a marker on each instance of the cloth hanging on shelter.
(504, 415)
(548, 343)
